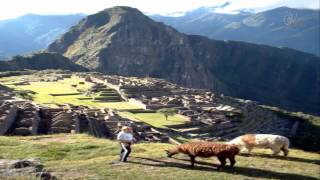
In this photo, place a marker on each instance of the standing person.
(125, 137)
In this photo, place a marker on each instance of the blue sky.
(15, 8)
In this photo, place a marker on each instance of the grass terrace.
(156, 119)
(61, 92)
(71, 156)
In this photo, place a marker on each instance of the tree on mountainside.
(25, 95)
(168, 112)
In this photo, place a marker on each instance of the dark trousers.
(125, 151)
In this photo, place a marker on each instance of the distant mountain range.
(287, 27)
(3, 58)
(294, 28)
(123, 41)
(32, 32)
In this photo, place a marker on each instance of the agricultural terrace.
(68, 91)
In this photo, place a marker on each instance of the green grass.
(72, 156)
(156, 119)
(44, 89)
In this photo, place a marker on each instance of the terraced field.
(66, 91)
(63, 91)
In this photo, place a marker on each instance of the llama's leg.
(275, 151)
(285, 151)
(222, 162)
(193, 160)
(246, 149)
(232, 161)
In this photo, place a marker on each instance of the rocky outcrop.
(27, 168)
(123, 41)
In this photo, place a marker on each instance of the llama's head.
(236, 142)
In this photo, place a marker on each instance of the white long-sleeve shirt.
(123, 136)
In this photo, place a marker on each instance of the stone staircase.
(8, 113)
(104, 94)
(46, 115)
(108, 95)
(61, 122)
(27, 120)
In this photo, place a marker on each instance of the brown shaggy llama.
(207, 149)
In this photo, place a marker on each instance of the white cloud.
(261, 5)
(14, 8)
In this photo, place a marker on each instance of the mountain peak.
(120, 11)
(124, 25)
(112, 16)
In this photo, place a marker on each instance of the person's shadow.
(205, 166)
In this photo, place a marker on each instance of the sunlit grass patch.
(157, 119)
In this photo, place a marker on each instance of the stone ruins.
(24, 118)
(210, 116)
